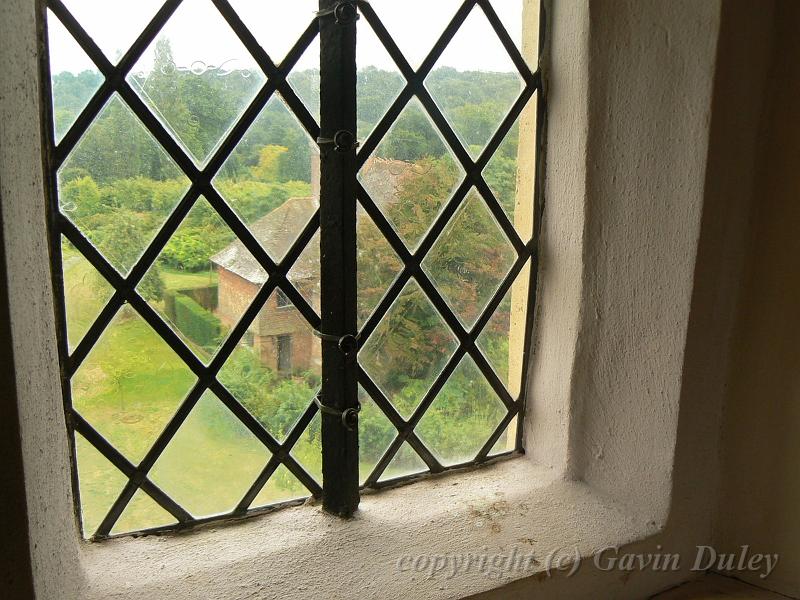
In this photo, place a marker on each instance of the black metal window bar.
(340, 192)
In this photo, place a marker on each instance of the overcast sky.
(199, 35)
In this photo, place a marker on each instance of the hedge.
(195, 322)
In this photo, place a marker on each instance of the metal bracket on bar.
(347, 343)
(345, 12)
(342, 140)
(349, 416)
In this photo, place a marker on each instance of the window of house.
(203, 159)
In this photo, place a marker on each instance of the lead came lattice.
(198, 161)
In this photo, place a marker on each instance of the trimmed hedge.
(194, 321)
(169, 304)
(206, 296)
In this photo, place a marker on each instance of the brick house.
(279, 334)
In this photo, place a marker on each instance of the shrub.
(194, 321)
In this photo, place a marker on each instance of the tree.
(121, 239)
(268, 167)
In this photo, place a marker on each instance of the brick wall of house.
(236, 294)
(306, 351)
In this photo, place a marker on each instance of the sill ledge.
(512, 508)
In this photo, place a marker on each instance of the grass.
(183, 280)
(129, 387)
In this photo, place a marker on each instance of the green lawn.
(183, 280)
(129, 387)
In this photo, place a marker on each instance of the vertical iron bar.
(340, 494)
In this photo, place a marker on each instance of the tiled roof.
(277, 230)
(381, 177)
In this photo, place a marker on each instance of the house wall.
(305, 351)
(274, 321)
(236, 294)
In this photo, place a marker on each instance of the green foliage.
(254, 199)
(501, 175)
(376, 90)
(71, 93)
(80, 196)
(195, 322)
(474, 101)
(412, 137)
(421, 195)
(201, 235)
(274, 400)
(152, 286)
(119, 187)
(268, 167)
(190, 250)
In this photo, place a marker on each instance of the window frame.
(344, 375)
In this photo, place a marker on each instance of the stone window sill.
(513, 508)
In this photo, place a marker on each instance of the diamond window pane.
(488, 80)
(118, 186)
(378, 265)
(510, 173)
(502, 340)
(308, 449)
(518, 16)
(375, 434)
(99, 482)
(272, 179)
(114, 25)
(507, 442)
(469, 260)
(411, 174)
(191, 281)
(86, 292)
(195, 88)
(142, 512)
(275, 370)
(416, 36)
(276, 24)
(379, 80)
(211, 462)
(304, 78)
(282, 486)
(405, 462)
(130, 384)
(74, 78)
(463, 416)
(408, 350)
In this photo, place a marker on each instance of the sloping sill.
(513, 509)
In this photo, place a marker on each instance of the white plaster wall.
(651, 72)
(744, 48)
(45, 450)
